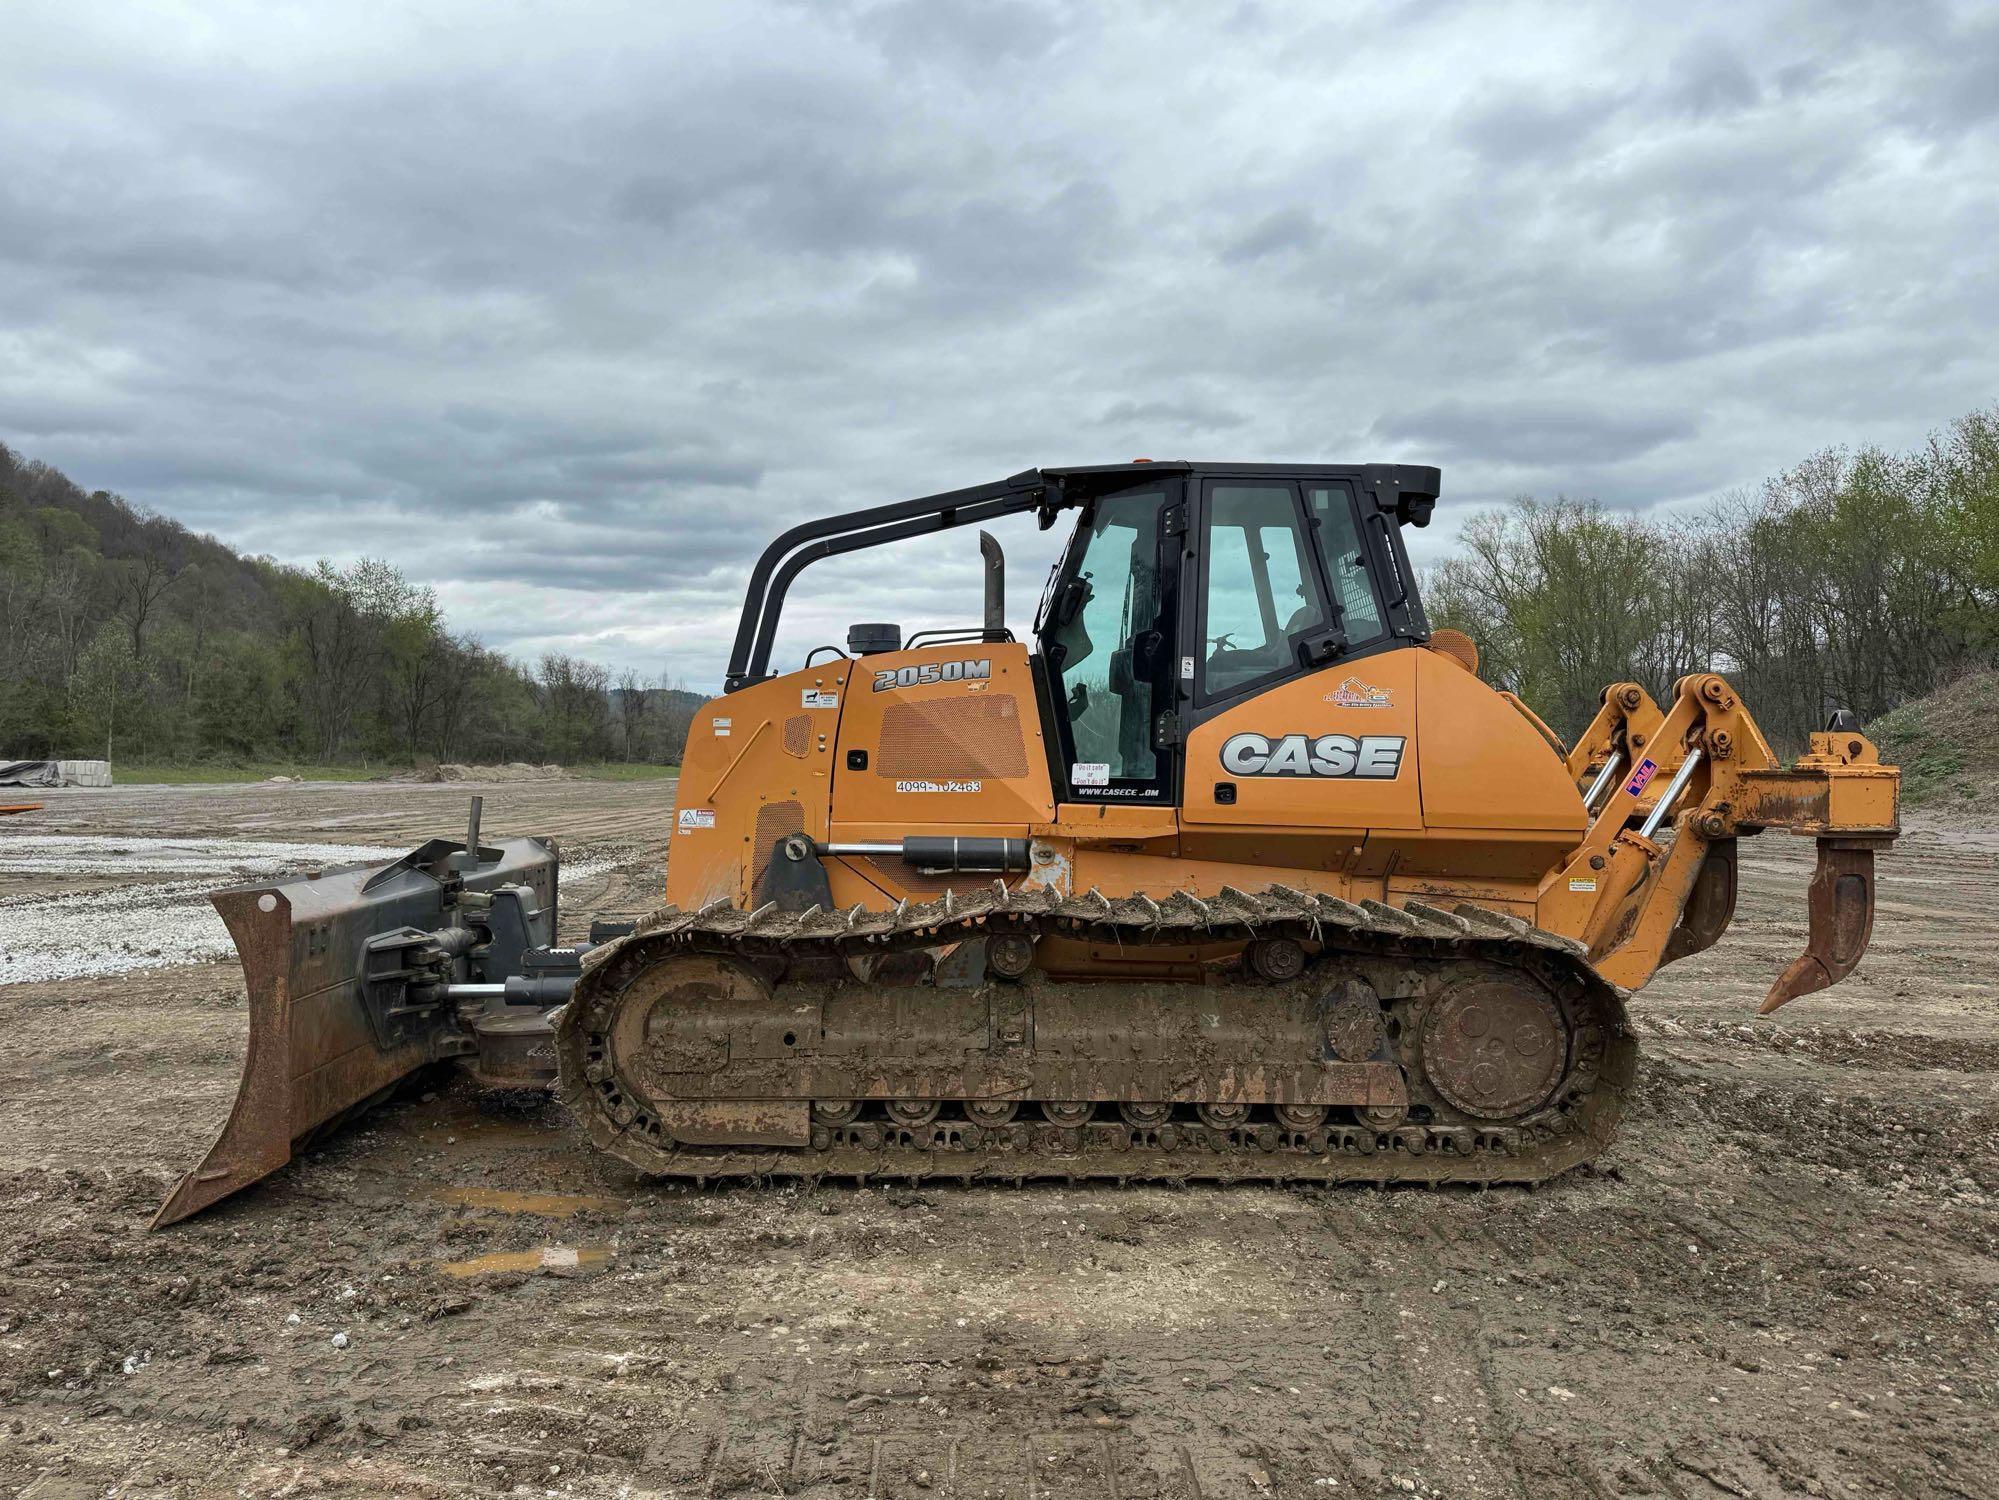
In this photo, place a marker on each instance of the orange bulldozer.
(1235, 869)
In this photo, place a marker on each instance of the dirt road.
(1783, 1281)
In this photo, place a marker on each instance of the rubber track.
(1541, 1146)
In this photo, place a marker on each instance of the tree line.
(1858, 579)
(125, 635)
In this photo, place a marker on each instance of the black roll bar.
(1404, 492)
(749, 659)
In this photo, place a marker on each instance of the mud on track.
(1783, 1281)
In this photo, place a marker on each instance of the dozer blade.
(1841, 906)
(332, 1023)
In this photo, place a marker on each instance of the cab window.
(1259, 591)
(1346, 561)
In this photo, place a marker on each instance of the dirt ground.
(1784, 1280)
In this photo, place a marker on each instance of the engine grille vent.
(977, 735)
(775, 820)
(798, 735)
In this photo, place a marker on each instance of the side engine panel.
(758, 767)
(945, 739)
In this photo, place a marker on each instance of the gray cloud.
(567, 310)
(1513, 431)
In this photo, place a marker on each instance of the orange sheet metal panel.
(1334, 749)
(1484, 763)
(953, 742)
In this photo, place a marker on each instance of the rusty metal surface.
(257, 1137)
(1495, 1047)
(516, 1049)
(1351, 1025)
(1841, 918)
(1710, 905)
(312, 1055)
(788, 1021)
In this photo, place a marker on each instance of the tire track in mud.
(1798, 1223)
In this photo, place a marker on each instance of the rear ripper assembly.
(1131, 904)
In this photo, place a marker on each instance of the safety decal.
(1373, 757)
(694, 818)
(818, 698)
(722, 729)
(1090, 773)
(1584, 883)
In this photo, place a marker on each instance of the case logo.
(1372, 757)
(1353, 693)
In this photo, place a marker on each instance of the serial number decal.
(1373, 757)
(938, 786)
(933, 671)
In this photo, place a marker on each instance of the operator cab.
(1187, 588)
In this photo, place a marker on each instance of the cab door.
(1107, 631)
(1302, 718)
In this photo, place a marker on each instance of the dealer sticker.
(938, 786)
(1090, 773)
(693, 818)
(1642, 777)
(818, 698)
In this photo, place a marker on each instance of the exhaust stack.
(995, 560)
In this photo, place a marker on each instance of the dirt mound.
(1944, 744)
(515, 770)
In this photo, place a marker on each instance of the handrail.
(749, 657)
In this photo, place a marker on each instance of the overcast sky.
(567, 309)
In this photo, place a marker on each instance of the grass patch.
(621, 771)
(129, 773)
(1944, 744)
